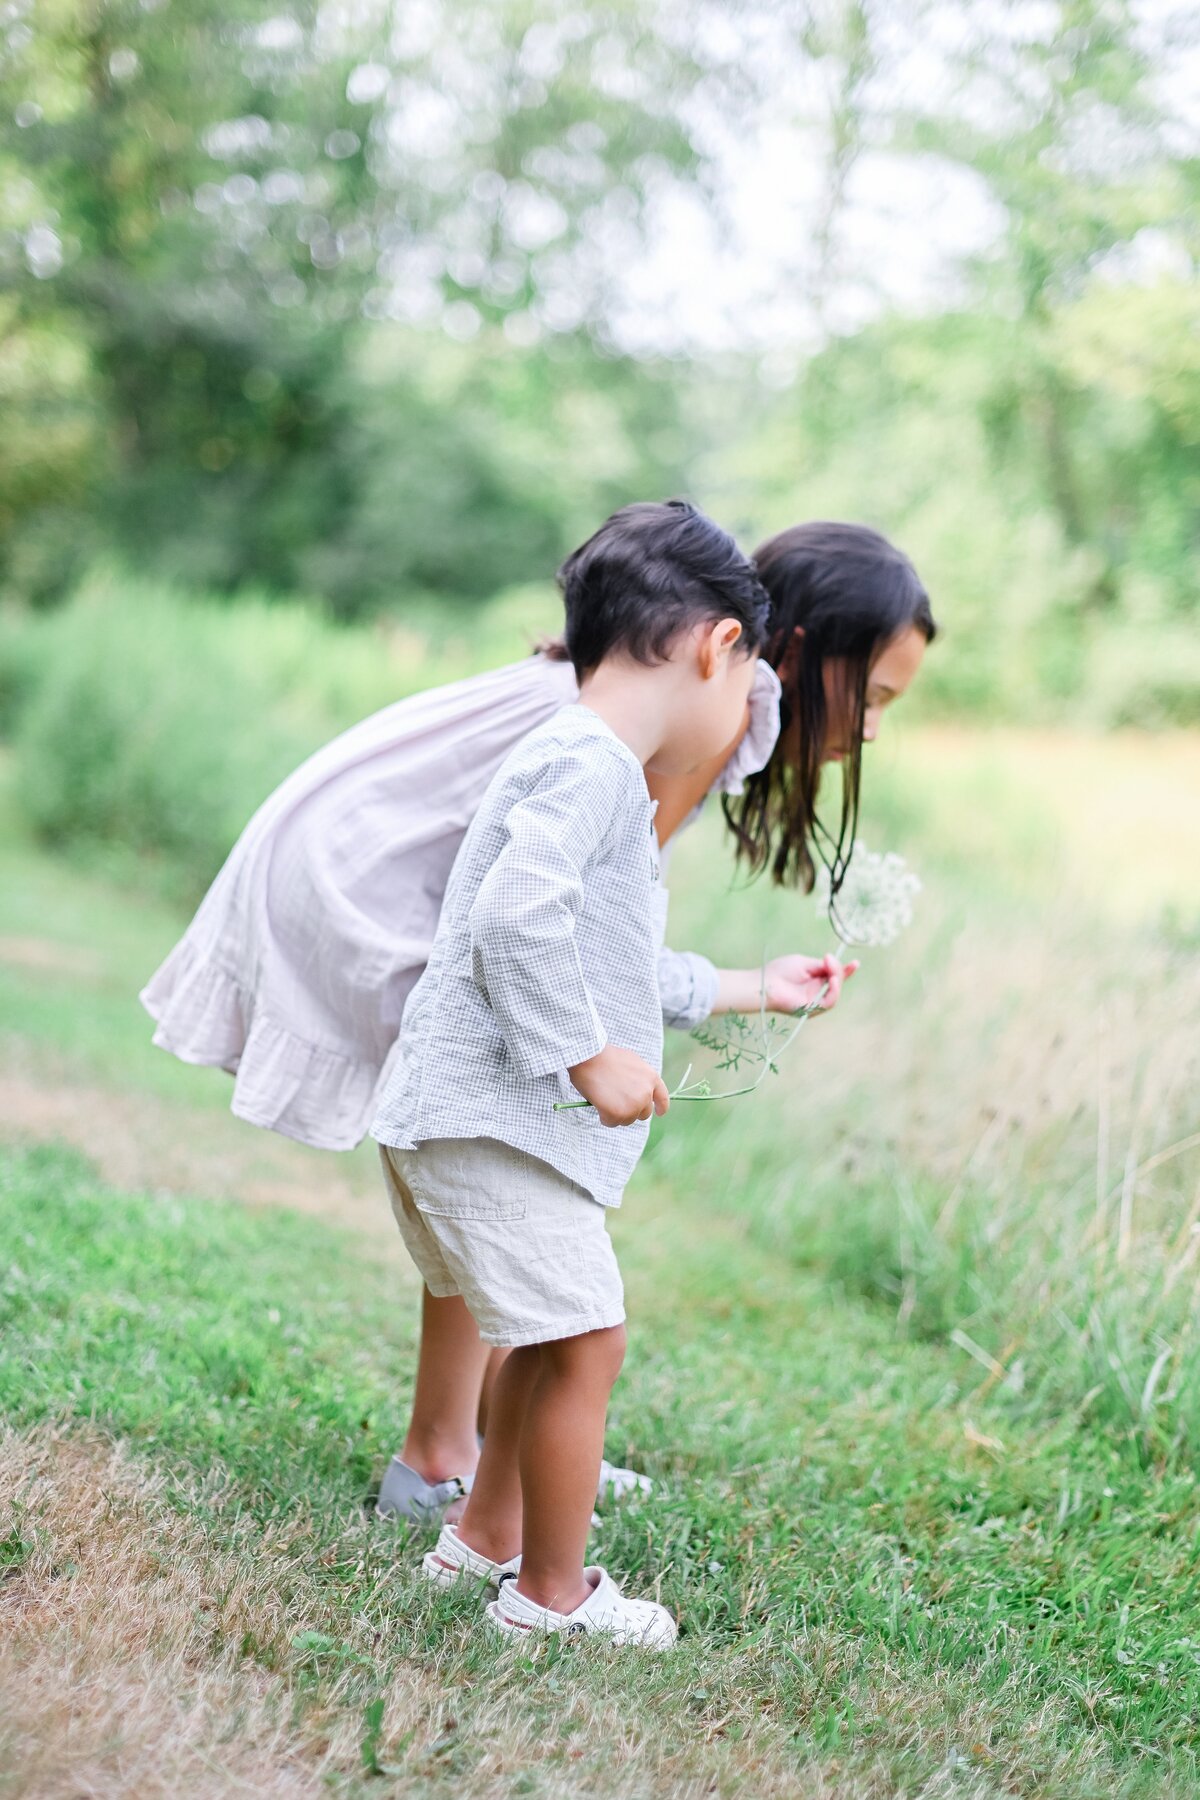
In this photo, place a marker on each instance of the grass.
(852, 1550)
(912, 1362)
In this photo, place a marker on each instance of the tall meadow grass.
(998, 1139)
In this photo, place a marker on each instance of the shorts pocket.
(470, 1179)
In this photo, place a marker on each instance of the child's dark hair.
(652, 570)
(851, 592)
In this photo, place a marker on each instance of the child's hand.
(793, 982)
(620, 1086)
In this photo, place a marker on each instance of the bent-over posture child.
(541, 989)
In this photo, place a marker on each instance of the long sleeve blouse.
(545, 953)
(294, 974)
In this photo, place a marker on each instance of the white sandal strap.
(455, 1557)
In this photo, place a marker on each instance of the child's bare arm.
(787, 984)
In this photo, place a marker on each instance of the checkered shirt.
(546, 951)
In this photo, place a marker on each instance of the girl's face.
(891, 674)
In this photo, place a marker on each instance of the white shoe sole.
(512, 1629)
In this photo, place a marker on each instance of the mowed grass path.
(890, 1579)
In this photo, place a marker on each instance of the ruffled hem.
(201, 1013)
(282, 1082)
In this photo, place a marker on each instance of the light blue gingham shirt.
(547, 950)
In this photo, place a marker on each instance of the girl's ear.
(789, 662)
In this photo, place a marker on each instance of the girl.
(294, 973)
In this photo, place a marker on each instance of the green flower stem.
(770, 1064)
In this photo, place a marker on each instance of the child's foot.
(617, 1484)
(406, 1495)
(606, 1613)
(452, 1559)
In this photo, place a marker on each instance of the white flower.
(875, 902)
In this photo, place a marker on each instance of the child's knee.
(609, 1351)
(596, 1355)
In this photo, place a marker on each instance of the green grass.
(830, 1525)
(912, 1363)
(161, 1321)
(85, 1014)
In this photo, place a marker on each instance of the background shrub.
(149, 726)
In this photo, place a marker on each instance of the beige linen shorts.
(527, 1249)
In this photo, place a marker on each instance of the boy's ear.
(717, 643)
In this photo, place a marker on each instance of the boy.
(541, 989)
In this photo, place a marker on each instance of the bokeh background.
(325, 331)
(361, 316)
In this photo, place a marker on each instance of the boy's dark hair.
(652, 570)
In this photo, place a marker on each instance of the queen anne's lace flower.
(873, 907)
(876, 899)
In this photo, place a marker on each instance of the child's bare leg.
(441, 1439)
(536, 1482)
(495, 1363)
(561, 1446)
(491, 1521)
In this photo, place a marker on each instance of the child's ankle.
(556, 1594)
(499, 1546)
(438, 1459)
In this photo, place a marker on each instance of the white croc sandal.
(606, 1613)
(451, 1560)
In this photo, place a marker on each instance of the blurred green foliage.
(209, 214)
(326, 301)
(1087, 608)
(149, 725)
(150, 736)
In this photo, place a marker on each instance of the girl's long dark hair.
(851, 592)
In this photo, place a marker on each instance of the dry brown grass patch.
(114, 1683)
(123, 1671)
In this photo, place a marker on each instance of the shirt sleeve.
(687, 987)
(524, 956)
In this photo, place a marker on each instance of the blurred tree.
(329, 296)
(1031, 435)
(472, 466)
(211, 197)
(1064, 118)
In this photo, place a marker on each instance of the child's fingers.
(833, 983)
(662, 1099)
(836, 975)
(839, 975)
